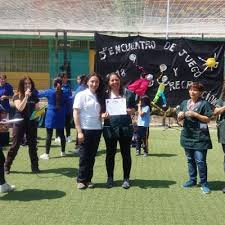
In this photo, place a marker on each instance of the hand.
(80, 137)
(105, 115)
(190, 114)
(181, 115)
(28, 93)
(3, 97)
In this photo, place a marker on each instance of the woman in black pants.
(118, 128)
(26, 101)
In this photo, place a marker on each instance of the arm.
(20, 105)
(76, 117)
(219, 110)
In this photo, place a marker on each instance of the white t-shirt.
(89, 109)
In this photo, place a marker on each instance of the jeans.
(197, 159)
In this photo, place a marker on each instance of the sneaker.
(223, 190)
(90, 185)
(189, 184)
(109, 182)
(126, 184)
(6, 188)
(205, 189)
(58, 140)
(145, 154)
(81, 186)
(44, 156)
(63, 154)
(68, 139)
(138, 153)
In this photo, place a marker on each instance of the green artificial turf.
(155, 196)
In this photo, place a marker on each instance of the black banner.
(174, 64)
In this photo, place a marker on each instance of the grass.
(155, 198)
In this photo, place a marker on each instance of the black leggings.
(2, 161)
(60, 132)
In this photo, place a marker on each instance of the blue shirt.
(7, 90)
(144, 120)
(68, 92)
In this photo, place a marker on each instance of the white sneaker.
(6, 188)
(68, 139)
(44, 156)
(58, 140)
(63, 154)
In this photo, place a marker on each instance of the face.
(78, 80)
(2, 80)
(114, 82)
(194, 93)
(27, 84)
(93, 84)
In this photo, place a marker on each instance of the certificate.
(116, 106)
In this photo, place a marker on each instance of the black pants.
(68, 118)
(111, 145)
(60, 132)
(223, 145)
(87, 152)
(2, 161)
(30, 129)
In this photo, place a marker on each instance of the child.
(144, 110)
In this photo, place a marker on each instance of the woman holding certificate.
(89, 128)
(119, 105)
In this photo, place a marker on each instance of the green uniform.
(195, 134)
(221, 123)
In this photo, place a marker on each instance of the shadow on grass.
(33, 195)
(216, 185)
(162, 155)
(144, 184)
(52, 146)
(101, 152)
(68, 172)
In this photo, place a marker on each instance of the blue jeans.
(197, 158)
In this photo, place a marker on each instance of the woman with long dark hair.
(118, 128)
(87, 118)
(55, 115)
(26, 101)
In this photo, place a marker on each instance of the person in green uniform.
(118, 128)
(195, 138)
(219, 111)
